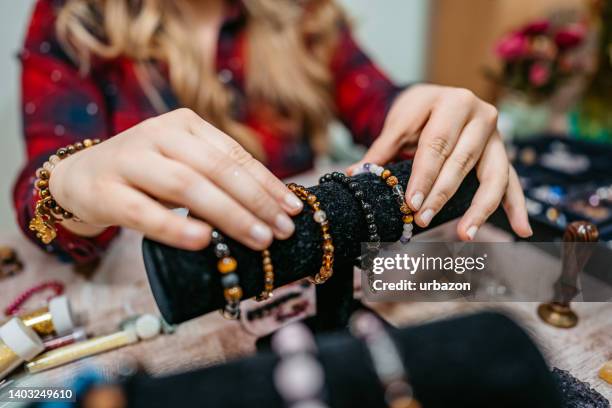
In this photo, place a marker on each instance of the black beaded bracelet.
(373, 244)
(230, 281)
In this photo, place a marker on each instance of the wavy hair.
(288, 46)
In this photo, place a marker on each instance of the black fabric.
(484, 360)
(577, 394)
(186, 284)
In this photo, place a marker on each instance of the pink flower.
(536, 27)
(539, 74)
(512, 46)
(570, 36)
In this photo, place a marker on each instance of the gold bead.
(227, 264)
(78, 146)
(42, 184)
(328, 248)
(392, 181)
(408, 218)
(311, 199)
(61, 152)
(70, 149)
(43, 174)
(268, 268)
(87, 143)
(233, 294)
(44, 193)
(385, 174)
(265, 253)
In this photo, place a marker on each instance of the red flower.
(539, 74)
(513, 46)
(570, 36)
(536, 27)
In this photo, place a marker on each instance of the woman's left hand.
(453, 131)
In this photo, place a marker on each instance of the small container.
(18, 343)
(55, 319)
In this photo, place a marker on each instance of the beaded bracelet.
(229, 278)
(398, 190)
(320, 218)
(373, 239)
(298, 377)
(47, 211)
(266, 261)
(386, 360)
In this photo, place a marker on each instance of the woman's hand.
(453, 132)
(179, 159)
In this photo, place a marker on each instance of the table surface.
(119, 289)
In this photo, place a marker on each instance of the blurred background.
(539, 61)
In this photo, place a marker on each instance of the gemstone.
(42, 184)
(392, 181)
(372, 228)
(367, 166)
(605, 373)
(229, 280)
(216, 236)
(319, 216)
(268, 268)
(398, 190)
(405, 209)
(78, 146)
(404, 240)
(353, 185)
(385, 174)
(369, 218)
(378, 171)
(374, 238)
(366, 207)
(227, 264)
(87, 142)
(408, 218)
(233, 294)
(359, 194)
(408, 227)
(337, 175)
(311, 199)
(221, 250)
(328, 248)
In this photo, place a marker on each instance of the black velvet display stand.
(483, 360)
(186, 284)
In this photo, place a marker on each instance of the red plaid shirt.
(60, 107)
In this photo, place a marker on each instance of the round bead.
(50, 204)
(78, 146)
(216, 236)
(42, 184)
(70, 149)
(408, 218)
(321, 180)
(227, 264)
(61, 153)
(268, 268)
(67, 215)
(311, 199)
(327, 237)
(398, 190)
(96, 141)
(372, 228)
(366, 206)
(42, 174)
(367, 166)
(230, 280)
(48, 166)
(359, 194)
(328, 177)
(404, 240)
(320, 216)
(405, 209)
(54, 159)
(87, 142)
(353, 185)
(385, 174)
(233, 294)
(44, 193)
(221, 250)
(408, 227)
(337, 175)
(369, 218)
(328, 248)
(378, 170)
(374, 238)
(392, 181)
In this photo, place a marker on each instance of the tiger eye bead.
(392, 181)
(42, 184)
(405, 209)
(311, 199)
(268, 268)
(79, 146)
(385, 174)
(408, 218)
(227, 264)
(233, 294)
(61, 152)
(328, 248)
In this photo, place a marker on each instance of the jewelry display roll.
(479, 361)
(186, 284)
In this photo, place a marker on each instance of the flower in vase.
(539, 74)
(513, 46)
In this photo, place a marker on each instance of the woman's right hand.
(180, 159)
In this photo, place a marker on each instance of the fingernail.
(417, 200)
(193, 232)
(471, 232)
(261, 233)
(427, 216)
(284, 224)
(294, 202)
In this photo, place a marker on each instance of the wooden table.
(119, 289)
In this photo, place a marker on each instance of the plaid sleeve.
(59, 107)
(363, 93)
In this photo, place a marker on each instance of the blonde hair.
(287, 64)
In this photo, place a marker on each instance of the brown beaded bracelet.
(327, 265)
(47, 211)
(266, 261)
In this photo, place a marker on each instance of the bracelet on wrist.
(47, 212)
